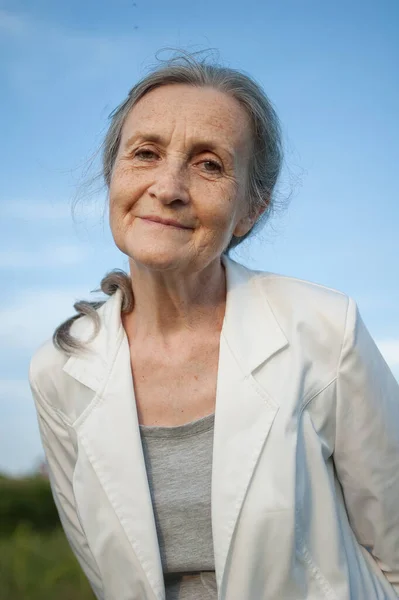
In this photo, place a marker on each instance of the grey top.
(179, 469)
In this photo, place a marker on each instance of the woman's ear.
(243, 226)
(246, 223)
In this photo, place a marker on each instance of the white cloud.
(28, 210)
(61, 256)
(39, 210)
(33, 318)
(390, 351)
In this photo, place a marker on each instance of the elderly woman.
(212, 431)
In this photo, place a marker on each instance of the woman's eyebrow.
(198, 146)
(204, 145)
(141, 136)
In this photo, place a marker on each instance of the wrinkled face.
(178, 187)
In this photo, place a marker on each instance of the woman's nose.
(170, 184)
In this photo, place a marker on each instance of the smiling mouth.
(165, 223)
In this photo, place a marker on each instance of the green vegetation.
(36, 562)
(28, 501)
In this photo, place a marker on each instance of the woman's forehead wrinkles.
(219, 117)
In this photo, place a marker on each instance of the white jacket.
(305, 484)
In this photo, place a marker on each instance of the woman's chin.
(158, 259)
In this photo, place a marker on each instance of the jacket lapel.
(109, 433)
(244, 412)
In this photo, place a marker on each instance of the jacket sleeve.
(61, 458)
(366, 452)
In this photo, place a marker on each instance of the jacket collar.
(249, 327)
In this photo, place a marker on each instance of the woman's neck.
(169, 304)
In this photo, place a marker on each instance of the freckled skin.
(183, 155)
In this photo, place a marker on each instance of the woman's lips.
(165, 223)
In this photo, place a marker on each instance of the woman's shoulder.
(299, 301)
(46, 367)
(296, 290)
(315, 319)
(46, 372)
(47, 359)
(291, 292)
(309, 314)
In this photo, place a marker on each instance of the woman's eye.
(145, 154)
(211, 166)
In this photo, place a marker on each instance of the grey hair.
(264, 166)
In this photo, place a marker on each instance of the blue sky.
(330, 68)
